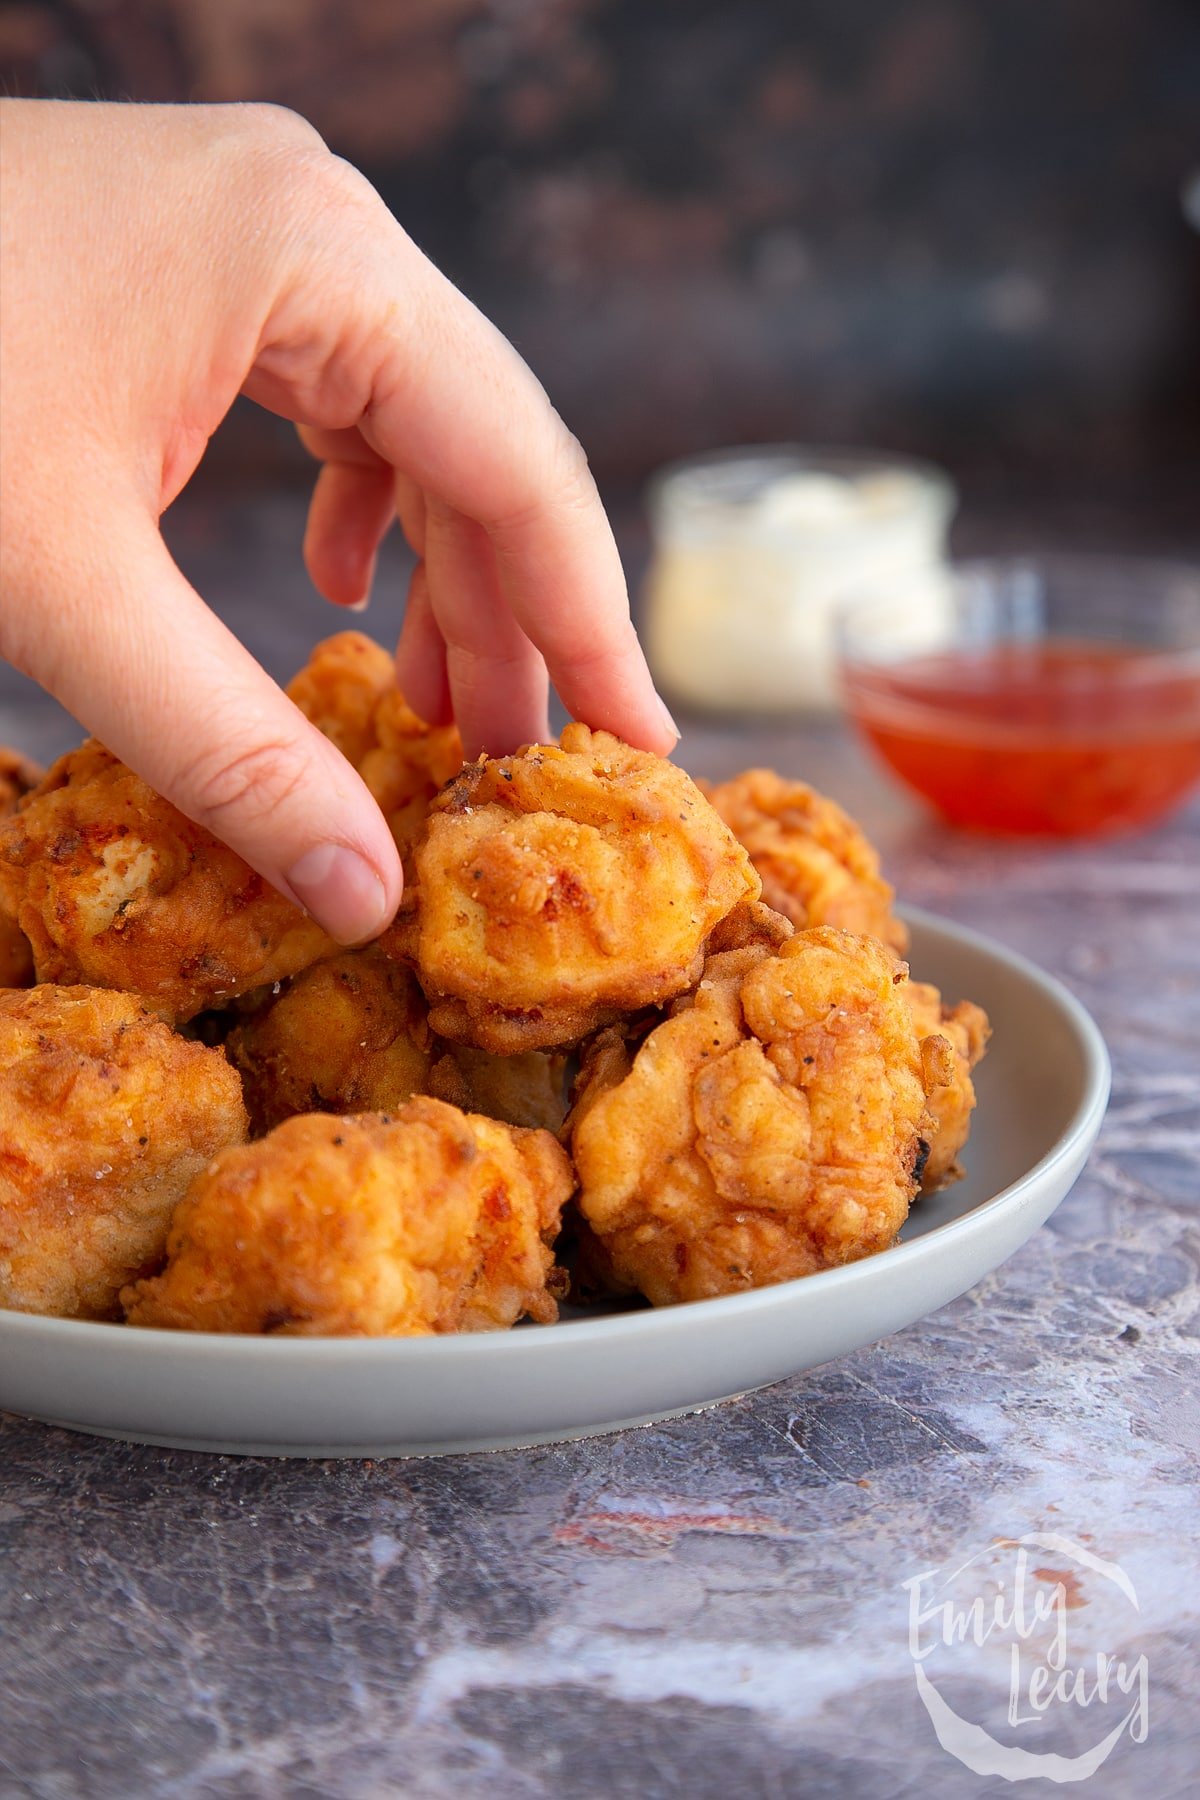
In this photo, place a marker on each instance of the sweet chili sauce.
(1066, 738)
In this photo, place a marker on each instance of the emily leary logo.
(1011, 1607)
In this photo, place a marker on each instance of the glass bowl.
(1056, 696)
(752, 548)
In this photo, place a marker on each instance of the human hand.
(158, 261)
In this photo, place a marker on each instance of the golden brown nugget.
(408, 768)
(17, 776)
(768, 1128)
(817, 867)
(351, 1034)
(340, 687)
(348, 690)
(105, 1116)
(427, 1220)
(114, 887)
(965, 1027)
(16, 955)
(563, 887)
(347, 1035)
(751, 923)
(526, 1089)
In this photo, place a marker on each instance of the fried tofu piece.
(347, 1035)
(770, 1127)
(17, 776)
(105, 1117)
(816, 865)
(563, 887)
(426, 1220)
(116, 888)
(966, 1029)
(348, 690)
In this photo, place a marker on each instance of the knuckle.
(571, 467)
(316, 197)
(489, 663)
(278, 126)
(345, 184)
(566, 486)
(248, 784)
(318, 179)
(611, 643)
(261, 160)
(284, 162)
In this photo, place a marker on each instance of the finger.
(556, 567)
(421, 656)
(172, 693)
(593, 655)
(380, 340)
(348, 446)
(410, 505)
(351, 447)
(349, 515)
(499, 688)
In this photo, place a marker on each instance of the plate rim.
(149, 1341)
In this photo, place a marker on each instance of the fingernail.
(667, 720)
(342, 892)
(364, 599)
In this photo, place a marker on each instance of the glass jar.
(753, 548)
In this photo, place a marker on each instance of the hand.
(157, 262)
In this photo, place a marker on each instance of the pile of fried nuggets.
(213, 1119)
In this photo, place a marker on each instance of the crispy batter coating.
(753, 922)
(409, 766)
(351, 1034)
(965, 1027)
(339, 688)
(769, 1128)
(105, 1116)
(347, 1035)
(348, 689)
(816, 865)
(16, 955)
(527, 1089)
(17, 776)
(114, 887)
(427, 1220)
(563, 887)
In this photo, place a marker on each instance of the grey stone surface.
(713, 1606)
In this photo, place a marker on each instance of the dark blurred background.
(951, 227)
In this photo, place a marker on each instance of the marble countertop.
(714, 1605)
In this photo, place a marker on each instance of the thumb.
(134, 653)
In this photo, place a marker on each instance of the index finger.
(376, 337)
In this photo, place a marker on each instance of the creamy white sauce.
(742, 590)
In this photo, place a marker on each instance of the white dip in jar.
(754, 548)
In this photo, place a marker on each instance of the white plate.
(1043, 1090)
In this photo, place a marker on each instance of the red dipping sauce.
(1062, 737)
